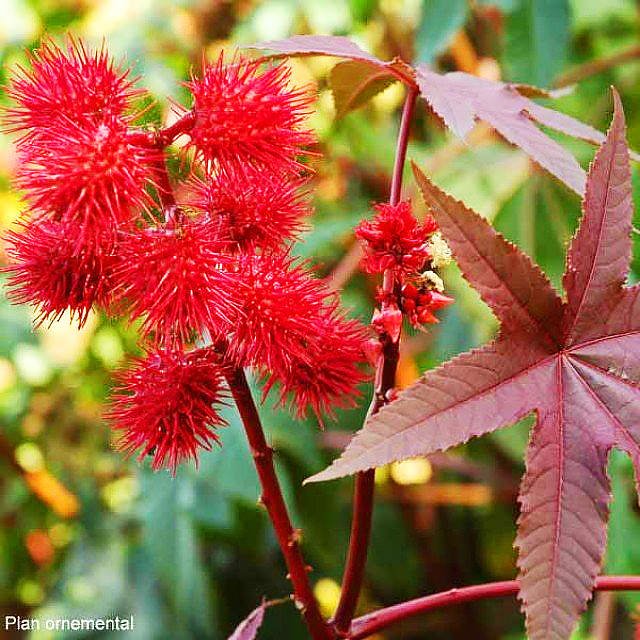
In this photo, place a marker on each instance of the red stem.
(383, 618)
(163, 185)
(357, 553)
(384, 381)
(162, 138)
(401, 147)
(159, 140)
(288, 537)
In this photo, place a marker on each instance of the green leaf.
(441, 19)
(172, 543)
(229, 468)
(537, 39)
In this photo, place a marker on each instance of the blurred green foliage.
(190, 556)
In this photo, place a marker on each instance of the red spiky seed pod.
(72, 85)
(87, 175)
(54, 272)
(279, 304)
(174, 276)
(328, 374)
(256, 209)
(165, 406)
(248, 116)
(394, 239)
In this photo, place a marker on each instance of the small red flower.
(245, 116)
(174, 276)
(328, 373)
(394, 239)
(279, 306)
(67, 86)
(87, 175)
(256, 209)
(419, 304)
(388, 321)
(53, 272)
(165, 406)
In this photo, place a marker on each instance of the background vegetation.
(84, 532)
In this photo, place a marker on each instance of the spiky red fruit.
(256, 209)
(278, 304)
(75, 85)
(87, 175)
(76, 162)
(394, 239)
(174, 277)
(327, 374)
(53, 273)
(165, 406)
(245, 116)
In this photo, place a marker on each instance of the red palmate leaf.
(338, 46)
(460, 99)
(576, 363)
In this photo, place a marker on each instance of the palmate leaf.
(459, 98)
(576, 363)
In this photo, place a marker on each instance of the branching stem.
(384, 382)
(288, 537)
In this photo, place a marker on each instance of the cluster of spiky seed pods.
(210, 279)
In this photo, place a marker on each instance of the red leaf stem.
(161, 139)
(366, 626)
(163, 185)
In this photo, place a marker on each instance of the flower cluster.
(213, 270)
(396, 242)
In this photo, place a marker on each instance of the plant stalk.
(384, 381)
(163, 185)
(271, 498)
(372, 623)
(401, 146)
